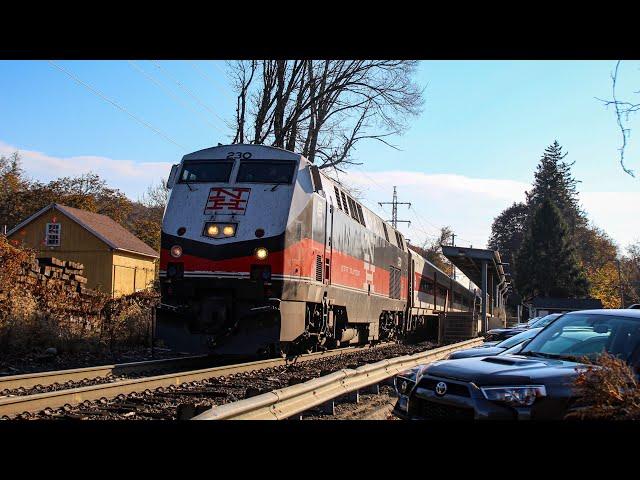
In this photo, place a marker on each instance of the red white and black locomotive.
(262, 252)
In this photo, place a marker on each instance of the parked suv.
(499, 334)
(488, 348)
(536, 383)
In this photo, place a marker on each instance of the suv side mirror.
(172, 176)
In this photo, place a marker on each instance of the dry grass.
(36, 316)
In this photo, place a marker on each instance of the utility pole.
(620, 283)
(394, 210)
(453, 244)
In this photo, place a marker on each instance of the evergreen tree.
(507, 231)
(553, 180)
(546, 264)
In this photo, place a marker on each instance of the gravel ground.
(187, 400)
(371, 406)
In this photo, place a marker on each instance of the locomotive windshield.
(206, 171)
(266, 172)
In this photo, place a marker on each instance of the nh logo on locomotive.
(227, 200)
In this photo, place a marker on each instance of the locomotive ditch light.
(261, 253)
(229, 231)
(176, 251)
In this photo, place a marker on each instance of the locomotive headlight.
(261, 253)
(176, 251)
(219, 230)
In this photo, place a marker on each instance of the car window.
(544, 321)
(588, 334)
(517, 339)
(513, 350)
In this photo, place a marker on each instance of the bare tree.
(242, 76)
(156, 196)
(324, 108)
(623, 111)
(432, 249)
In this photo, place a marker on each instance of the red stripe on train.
(298, 259)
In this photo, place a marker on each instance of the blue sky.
(470, 154)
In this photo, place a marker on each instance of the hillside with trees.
(21, 197)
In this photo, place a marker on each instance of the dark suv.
(500, 334)
(536, 383)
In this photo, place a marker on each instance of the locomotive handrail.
(286, 402)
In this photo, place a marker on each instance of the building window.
(52, 235)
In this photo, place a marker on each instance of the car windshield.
(585, 334)
(544, 321)
(518, 339)
(266, 172)
(206, 171)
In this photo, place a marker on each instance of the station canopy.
(469, 261)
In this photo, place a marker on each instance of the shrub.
(607, 389)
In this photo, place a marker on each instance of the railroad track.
(60, 377)
(12, 406)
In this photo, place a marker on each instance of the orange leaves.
(606, 390)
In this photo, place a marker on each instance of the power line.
(189, 92)
(207, 77)
(384, 191)
(118, 106)
(156, 82)
(394, 210)
(418, 215)
(420, 218)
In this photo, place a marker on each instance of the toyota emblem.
(441, 388)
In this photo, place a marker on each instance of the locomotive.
(264, 253)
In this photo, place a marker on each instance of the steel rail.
(52, 377)
(15, 405)
(289, 401)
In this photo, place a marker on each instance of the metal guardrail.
(289, 401)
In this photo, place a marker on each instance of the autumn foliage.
(607, 389)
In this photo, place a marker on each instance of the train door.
(328, 242)
(410, 287)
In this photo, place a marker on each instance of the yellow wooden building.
(115, 261)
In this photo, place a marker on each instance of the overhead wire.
(185, 105)
(184, 88)
(210, 79)
(117, 105)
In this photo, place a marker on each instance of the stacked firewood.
(61, 272)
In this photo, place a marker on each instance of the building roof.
(103, 227)
(566, 303)
(469, 261)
